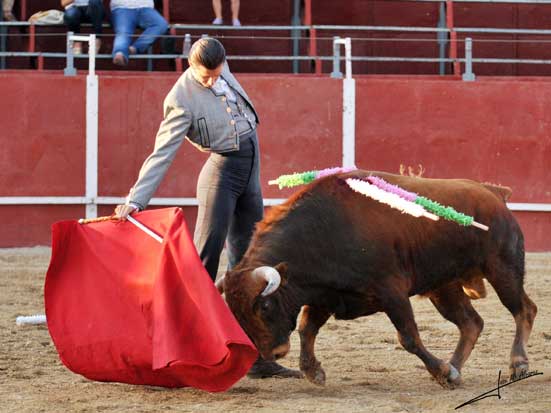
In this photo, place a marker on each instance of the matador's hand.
(122, 211)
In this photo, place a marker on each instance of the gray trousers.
(230, 204)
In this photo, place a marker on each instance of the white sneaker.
(236, 22)
(218, 21)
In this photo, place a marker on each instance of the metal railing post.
(187, 45)
(468, 76)
(92, 110)
(92, 54)
(442, 39)
(348, 57)
(149, 60)
(92, 95)
(336, 73)
(348, 100)
(69, 65)
(3, 42)
(295, 34)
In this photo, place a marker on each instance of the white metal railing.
(441, 30)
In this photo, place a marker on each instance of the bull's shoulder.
(278, 212)
(273, 215)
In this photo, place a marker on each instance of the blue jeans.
(93, 13)
(230, 204)
(125, 22)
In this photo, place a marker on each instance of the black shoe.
(263, 369)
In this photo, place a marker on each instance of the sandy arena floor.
(366, 368)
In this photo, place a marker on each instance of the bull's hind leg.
(311, 321)
(507, 281)
(398, 308)
(456, 307)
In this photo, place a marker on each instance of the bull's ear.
(282, 270)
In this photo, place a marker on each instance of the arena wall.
(494, 129)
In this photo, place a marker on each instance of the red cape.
(123, 307)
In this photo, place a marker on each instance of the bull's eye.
(265, 305)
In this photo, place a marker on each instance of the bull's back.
(357, 241)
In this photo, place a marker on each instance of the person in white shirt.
(83, 11)
(126, 15)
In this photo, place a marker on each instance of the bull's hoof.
(451, 379)
(517, 370)
(316, 376)
(313, 371)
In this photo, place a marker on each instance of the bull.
(331, 251)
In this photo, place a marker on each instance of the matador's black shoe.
(263, 369)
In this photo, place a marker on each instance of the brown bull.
(331, 251)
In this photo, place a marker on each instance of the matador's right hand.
(122, 211)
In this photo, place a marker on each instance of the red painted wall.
(495, 129)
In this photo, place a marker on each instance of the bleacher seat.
(324, 12)
(243, 42)
(17, 41)
(506, 16)
(258, 12)
(380, 13)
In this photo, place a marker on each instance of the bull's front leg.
(311, 321)
(398, 308)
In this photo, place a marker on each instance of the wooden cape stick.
(134, 221)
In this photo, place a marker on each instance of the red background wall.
(494, 129)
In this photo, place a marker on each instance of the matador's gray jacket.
(194, 112)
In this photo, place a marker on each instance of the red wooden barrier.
(494, 129)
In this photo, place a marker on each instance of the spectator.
(126, 15)
(87, 11)
(217, 6)
(7, 7)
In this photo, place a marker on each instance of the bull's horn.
(220, 284)
(271, 275)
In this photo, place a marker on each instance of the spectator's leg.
(217, 7)
(72, 18)
(124, 23)
(7, 10)
(153, 24)
(235, 13)
(95, 15)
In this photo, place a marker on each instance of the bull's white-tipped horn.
(220, 284)
(271, 275)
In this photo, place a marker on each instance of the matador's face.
(207, 77)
